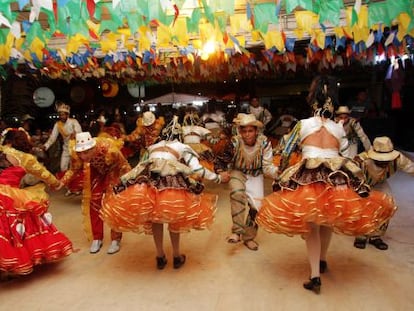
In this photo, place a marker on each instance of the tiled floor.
(218, 275)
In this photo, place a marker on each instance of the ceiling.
(154, 65)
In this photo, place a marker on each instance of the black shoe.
(314, 285)
(323, 266)
(161, 262)
(360, 243)
(179, 261)
(378, 243)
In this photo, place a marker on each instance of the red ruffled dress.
(26, 236)
(324, 188)
(159, 190)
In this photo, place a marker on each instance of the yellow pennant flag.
(318, 36)
(274, 38)
(306, 20)
(179, 31)
(404, 22)
(360, 34)
(144, 40)
(206, 30)
(239, 22)
(4, 54)
(299, 33)
(75, 42)
(163, 36)
(37, 46)
(339, 32)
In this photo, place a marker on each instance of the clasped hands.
(224, 176)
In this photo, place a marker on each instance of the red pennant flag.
(90, 4)
(55, 10)
(380, 49)
(225, 37)
(93, 34)
(176, 13)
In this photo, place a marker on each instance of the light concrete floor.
(218, 275)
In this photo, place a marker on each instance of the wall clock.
(43, 97)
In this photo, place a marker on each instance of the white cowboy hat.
(247, 119)
(84, 141)
(343, 110)
(383, 150)
(148, 118)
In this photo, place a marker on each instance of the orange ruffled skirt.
(140, 205)
(291, 212)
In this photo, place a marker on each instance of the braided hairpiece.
(172, 130)
(191, 118)
(323, 96)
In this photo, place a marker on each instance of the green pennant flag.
(113, 22)
(265, 13)
(142, 8)
(292, 4)
(221, 19)
(208, 12)
(227, 6)
(6, 11)
(179, 3)
(78, 26)
(74, 7)
(128, 6)
(134, 21)
(35, 31)
(354, 17)
(62, 22)
(4, 32)
(192, 23)
(156, 12)
(377, 13)
(395, 8)
(330, 10)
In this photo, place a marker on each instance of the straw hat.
(148, 118)
(383, 150)
(84, 141)
(243, 119)
(343, 110)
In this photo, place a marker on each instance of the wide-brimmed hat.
(343, 110)
(84, 141)
(148, 118)
(383, 150)
(244, 119)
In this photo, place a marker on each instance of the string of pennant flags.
(162, 41)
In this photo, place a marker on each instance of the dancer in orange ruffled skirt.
(27, 235)
(159, 190)
(325, 192)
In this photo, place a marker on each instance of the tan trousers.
(245, 195)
